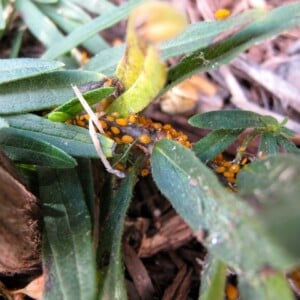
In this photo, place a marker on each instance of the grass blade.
(39, 24)
(87, 30)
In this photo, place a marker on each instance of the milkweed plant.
(58, 115)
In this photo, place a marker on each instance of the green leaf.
(3, 123)
(232, 119)
(89, 29)
(272, 184)
(211, 57)
(112, 276)
(20, 68)
(85, 174)
(43, 91)
(69, 16)
(73, 107)
(96, 7)
(287, 145)
(266, 286)
(29, 150)
(214, 143)
(106, 60)
(46, 1)
(68, 258)
(232, 225)
(213, 279)
(39, 24)
(74, 140)
(202, 34)
(196, 36)
(268, 143)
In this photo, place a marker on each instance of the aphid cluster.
(136, 131)
(228, 170)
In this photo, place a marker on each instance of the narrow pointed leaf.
(287, 145)
(202, 202)
(89, 29)
(214, 143)
(29, 150)
(112, 276)
(211, 57)
(232, 119)
(74, 140)
(68, 258)
(69, 16)
(39, 24)
(20, 68)
(197, 35)
(73, 107)
(213, 279)
(268, 144)
(43, 91)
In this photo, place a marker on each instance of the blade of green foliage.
(74, 140)
(196, 36)
(20, 68)
(211, 57)
(29, 150)
(69, 16)
(232, 225)
(266, 286)
(106, 60)
(73, 107)
(213, 279)
(68, 259)
(287, 145)
(17, 43)
(39, 24)
(214, 143)
(43, 91)
(85, 174)
(232, 119)
(202, 34)
(96, 7)
(89, 29)
(2, 22)
(112, 285)
(3, 123)
(273, 185)
(46, 1)
(268, 143)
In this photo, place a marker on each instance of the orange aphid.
(115, 130)
(222, 13)
(127, 139)
(145, 139)
(122, 121)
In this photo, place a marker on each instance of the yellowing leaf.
(144, 89)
